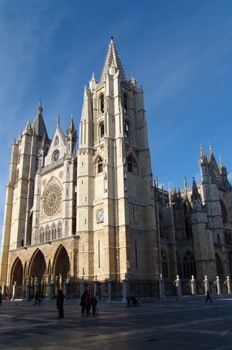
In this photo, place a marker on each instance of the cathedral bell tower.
(115, 205)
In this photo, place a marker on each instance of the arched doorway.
(37, 265)
(17, 278)
(61, 268)
(61, 263)
(17, 273)
(37, 273)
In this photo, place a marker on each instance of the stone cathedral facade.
(95, 212)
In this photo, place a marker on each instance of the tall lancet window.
(125, 104)
(131, 167)
(101, 129)
(102, 103)
(126, 128)
(99, 166)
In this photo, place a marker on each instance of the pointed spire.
(27, 128)
(112, 60)
(38, 125)
(195, 193)
(185, 182)
(156, 182)
(71, 125)
(133, 81)
(58, 120)
(221, 163)
(40, 109)
(202, 155)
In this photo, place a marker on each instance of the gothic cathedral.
(95, 212)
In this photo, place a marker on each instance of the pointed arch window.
(189, 266)
(100, 165)
(59, 231)
(126, 128)
(102, 103)
(41, 236)
(131, 164)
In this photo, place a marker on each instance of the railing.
(114, 290)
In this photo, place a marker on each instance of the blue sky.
(179, 51)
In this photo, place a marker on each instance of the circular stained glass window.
(52, 199)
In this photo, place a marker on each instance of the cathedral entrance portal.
(37, 271)
(17, 277)
(61, 266)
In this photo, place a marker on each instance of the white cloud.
(230, 177)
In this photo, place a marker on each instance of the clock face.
(100, 215)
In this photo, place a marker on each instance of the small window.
(100, 166)
(56, 142)
(102, 103)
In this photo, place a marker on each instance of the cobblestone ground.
(172, 325)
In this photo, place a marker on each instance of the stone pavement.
(172, 325)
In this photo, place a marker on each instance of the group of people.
(39, 298)
(87, 302)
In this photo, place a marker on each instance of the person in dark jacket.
(60, 303)
(85, 303)
(208, 297)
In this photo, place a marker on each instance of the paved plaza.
(188, 324)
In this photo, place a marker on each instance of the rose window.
(52, 199)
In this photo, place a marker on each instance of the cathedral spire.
(112, 60)
(38, 125)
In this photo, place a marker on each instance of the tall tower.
(20, 189)
(115, 206)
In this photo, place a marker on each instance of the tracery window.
(189, 266)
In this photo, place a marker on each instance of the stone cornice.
(52, 166)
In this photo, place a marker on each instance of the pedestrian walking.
(60, 303)
(93, 304)
(85, 303)
(208, 297)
